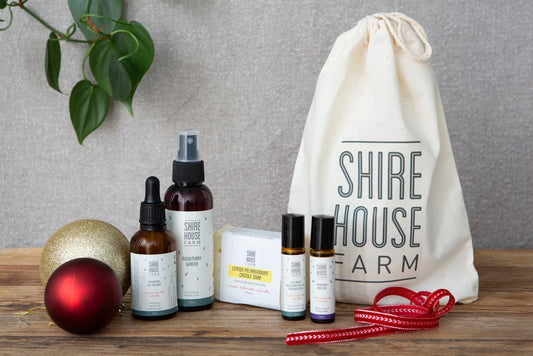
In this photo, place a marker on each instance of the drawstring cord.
(394, 22)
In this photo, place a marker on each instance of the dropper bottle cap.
(152, 208)
(188, 168)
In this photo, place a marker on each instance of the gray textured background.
(243, 73)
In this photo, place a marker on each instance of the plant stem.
(85, 60)
(45, 24)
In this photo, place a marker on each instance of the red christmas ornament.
(83, 295)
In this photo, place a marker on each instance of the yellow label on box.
(253, 274)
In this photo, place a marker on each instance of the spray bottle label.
(193, 231)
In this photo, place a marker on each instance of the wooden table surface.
(500, 322)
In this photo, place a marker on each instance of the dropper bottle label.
(154, 284)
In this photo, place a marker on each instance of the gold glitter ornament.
(87, 238)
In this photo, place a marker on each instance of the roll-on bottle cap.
(292, 231)
(322, 232)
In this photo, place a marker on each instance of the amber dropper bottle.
(153, 261)
(322, 270)
(189, 209)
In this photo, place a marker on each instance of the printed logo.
(191, 233)
(379, 210)
(250, 258)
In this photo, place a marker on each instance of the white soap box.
(248, 267)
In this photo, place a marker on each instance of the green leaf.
(119, 79)
(99, 61)
(52, 61)
(108, 71)
(140, 62)
(88, 108)
(3, 4)
(108, 8)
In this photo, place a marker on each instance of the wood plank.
(263, 346)
(219, 322)
(505, 278)
(21, 298)
(14, 275)
(20, 256)
(503, 258)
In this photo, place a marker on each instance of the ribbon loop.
(422, 313)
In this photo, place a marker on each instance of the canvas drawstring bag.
(376, 155)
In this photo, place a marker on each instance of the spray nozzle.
(188, 146)
(188, 168)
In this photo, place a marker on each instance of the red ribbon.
(422, 313)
